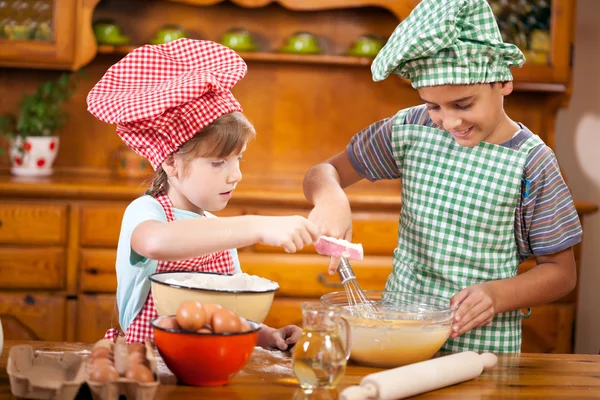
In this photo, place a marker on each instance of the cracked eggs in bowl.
(404, 328)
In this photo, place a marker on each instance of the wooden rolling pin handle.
(410, 380)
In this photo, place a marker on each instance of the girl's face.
(205, 183)
(471, 113)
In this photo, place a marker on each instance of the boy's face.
(208, 183)
(471, 113)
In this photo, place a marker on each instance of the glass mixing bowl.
(405, 328)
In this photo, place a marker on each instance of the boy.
(480, 192)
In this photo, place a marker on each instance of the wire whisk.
(357, 299)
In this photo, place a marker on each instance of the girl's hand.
(290, 232)
(278, 339)
(334, 219)
(476, 308)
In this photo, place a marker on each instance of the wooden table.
(268, 375)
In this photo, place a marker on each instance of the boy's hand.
(278, 339)
(476, 308)
(335, 221)
(291, 232)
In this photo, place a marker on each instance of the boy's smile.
(471, 113)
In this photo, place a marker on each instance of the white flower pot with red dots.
(33, 155)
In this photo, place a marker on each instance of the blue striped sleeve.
(547, 220)
(370, 152)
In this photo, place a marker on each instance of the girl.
(172, 104)
(480, 192)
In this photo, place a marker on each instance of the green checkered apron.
(457, 222)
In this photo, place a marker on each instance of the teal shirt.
(133, 269)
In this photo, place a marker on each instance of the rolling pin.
(410, 380)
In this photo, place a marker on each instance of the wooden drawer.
(549, 329)
(305, 275)
(97, 270)
(101, 223)
(377, 232)
(95, 315)
(33, 316)
(32, 268)
(33, 223)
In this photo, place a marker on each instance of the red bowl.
(205, 359)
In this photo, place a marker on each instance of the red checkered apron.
(220, 262)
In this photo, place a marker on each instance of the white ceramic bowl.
(249, 296)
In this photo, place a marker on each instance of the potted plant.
(32, 132)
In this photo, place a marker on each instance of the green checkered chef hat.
(448, 42)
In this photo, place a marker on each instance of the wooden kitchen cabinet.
(95, 315)
(66, 42)
(86, 250)
(101, 223)
(33, 223)
(97, 270)
(32, 268)
(33, 316)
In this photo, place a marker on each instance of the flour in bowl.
(237, 282)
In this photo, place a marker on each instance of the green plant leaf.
(41, 113)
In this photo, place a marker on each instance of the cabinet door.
(32, 268)
(543, 31)
(37, 316)
(97, 271)
(33, 223)
(549, 329)
(47, 34)
(101, 223)
(305, 275)
(95, 315)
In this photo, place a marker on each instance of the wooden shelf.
(327, 59)
(349, 61)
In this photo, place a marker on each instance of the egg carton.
(62, 375)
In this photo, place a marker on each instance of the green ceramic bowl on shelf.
(108, 32)
(366, 46)
(168, 33)
(302, 43)
(238, 39)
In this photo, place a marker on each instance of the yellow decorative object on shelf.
(539, 48)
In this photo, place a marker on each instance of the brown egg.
(136, 348)
(137, 358)
(140, 373)
(168, 323)
(101, 361)
(101, 352)
(210, 309)
(191, 315)
(103, 373)
(225, 320)
(204, 330)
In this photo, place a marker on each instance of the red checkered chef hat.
(161, 96)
